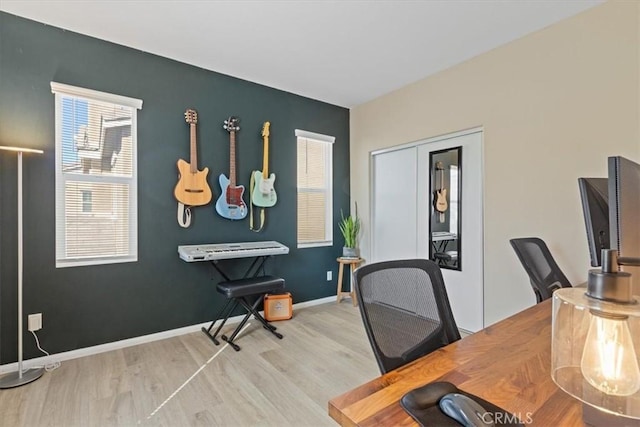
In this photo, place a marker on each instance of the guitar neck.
(232, 159)
(194, 154)
(440, 168)
(265, 159)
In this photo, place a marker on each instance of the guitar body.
(230, 204)
(264, 195)
(192, 188)
(441, 201)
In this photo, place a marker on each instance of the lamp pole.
(20, 377)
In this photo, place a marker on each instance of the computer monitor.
(624, 212)
(595, 208)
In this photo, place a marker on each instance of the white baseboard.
(315, 302)
(116, 345)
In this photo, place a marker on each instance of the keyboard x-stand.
(238, 291)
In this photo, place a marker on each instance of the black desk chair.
(544, 274)
(405, 310)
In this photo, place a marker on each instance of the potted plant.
(350, 228)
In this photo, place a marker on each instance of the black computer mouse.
(427, 396)
(465, 410)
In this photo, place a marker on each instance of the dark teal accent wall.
(86, 306)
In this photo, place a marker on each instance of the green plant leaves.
(350, 228)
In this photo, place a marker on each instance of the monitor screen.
(595, 208)
(624, 211)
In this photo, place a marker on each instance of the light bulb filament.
(609, 361)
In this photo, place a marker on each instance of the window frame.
(328, 189)
(93, 96)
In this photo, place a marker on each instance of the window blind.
(314, 176)
(96, 180)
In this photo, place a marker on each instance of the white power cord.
(49, 366)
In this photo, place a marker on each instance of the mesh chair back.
(405, 310)
(544, 274)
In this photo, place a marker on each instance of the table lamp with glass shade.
(595, 344)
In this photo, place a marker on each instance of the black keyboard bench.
(238, 292)
(444, 258)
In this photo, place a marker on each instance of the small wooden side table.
(353, 263)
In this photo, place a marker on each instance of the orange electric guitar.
(441, 195)
(192, 188)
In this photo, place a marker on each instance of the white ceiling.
(342, 52)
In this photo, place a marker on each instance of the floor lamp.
(19, 378)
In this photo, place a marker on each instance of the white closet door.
(400, 214)
(394, 207)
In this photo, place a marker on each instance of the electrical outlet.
(329, 275)
(35, 322)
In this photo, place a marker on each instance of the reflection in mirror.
(445, 219)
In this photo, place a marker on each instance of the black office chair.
(544, 274)
(405, 310)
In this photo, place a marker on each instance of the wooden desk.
(507, 364)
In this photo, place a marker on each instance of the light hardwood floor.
(288, 382)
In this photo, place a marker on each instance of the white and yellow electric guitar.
(263, 194)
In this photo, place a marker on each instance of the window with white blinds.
(315, 191)
(96, 177)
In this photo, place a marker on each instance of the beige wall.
(553, 106)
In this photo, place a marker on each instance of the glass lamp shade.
(595, 346)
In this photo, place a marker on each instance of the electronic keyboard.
(215, 251)
(443, 235)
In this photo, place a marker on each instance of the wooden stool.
(354, 263)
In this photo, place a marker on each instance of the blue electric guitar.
(230, 204)
(263, 194)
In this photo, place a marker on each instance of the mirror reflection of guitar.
(230, 204)
(192, 188)
(264, 195)
(441, 194)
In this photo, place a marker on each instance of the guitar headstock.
(265, 129)
(231, 124)
(191, 116)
